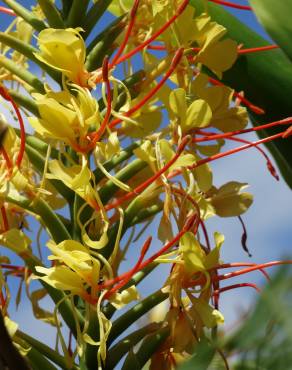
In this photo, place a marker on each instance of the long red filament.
(270, 166)
(242, 264)
(156, 34)
(100, 132)
(129, 274)
(235, 286)
(257, 49)
(133, 13)
(7, 159)
(7, 11)
(212, 136)
(232, 151)
(252, 268)
(240, 51)
(192, 221)
(7, 96)
(231, 5)
(177, 57)
(4, 218)
(152, 179)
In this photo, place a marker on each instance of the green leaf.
(275, 16)
(265, 77)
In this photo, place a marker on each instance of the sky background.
(268, 223)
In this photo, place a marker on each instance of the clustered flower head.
(119, 146)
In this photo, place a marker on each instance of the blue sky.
(268, 223)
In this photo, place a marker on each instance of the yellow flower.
(65, 51)
(228, 201)
(64, 116)
(198, 114)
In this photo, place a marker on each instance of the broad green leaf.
(275, 16)
(266, 79)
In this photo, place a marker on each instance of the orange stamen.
(100, 132)
(232, 5)
(235, 286)
(212, 136)
(258, 49)
(133, 13)
(4, 93)
(232, 151)
(177, 57)
(152, 179)
(128, 276)
(7, 11)
(4, 219)
(156, 34)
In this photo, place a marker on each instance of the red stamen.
(152, 179)
(192, 222)
(244, 264)
(100, 132)
(177, 57)
(156, 34)
(231, 151)
(258, 49)
(4, 93)
(133, 13)
(2, 300)
(235, 286)
(7, 159)
(7, 11)
(232, 5)
(252, 268)
(270, 166)
(206, 236)
(128, 275)
(212, 136)
(12, 267)
(4, 219)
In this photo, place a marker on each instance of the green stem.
(116, 160)
(22, 73)
(29, 52)
(108, 190)
(117, 352)
(77, 13)
(134, 313)
(45, 350)
(38, 161)
(53, 223)
(24, 102)
(28, 16)
(103, 39)
(52, 13)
